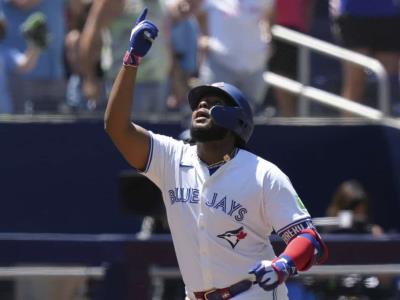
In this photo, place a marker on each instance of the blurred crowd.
(200, 41)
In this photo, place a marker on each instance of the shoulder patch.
(300, 203)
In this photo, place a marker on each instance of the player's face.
(201, 115)
(203, 129)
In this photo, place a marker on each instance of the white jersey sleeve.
(164, 151)
(283, 207)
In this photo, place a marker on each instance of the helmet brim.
(199, 92)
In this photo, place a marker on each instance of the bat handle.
(252, 278)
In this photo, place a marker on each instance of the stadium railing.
(306, 92)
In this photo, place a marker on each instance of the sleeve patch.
(300, 203)
(289, 232)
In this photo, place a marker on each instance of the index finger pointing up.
(142, 16)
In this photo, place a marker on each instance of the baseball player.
(222, 201)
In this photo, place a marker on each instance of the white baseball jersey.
(220, 223)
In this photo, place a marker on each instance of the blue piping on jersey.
(149, 159)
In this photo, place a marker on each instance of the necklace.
(226, 158)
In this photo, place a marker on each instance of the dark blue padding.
(62, 177)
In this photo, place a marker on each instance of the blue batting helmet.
(237, 118)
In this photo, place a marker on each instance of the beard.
(208, 134)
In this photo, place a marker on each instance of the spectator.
(108, 27)
(184, 36)
(12, 60)
(77, 14)
(235, 44)
(351, 199)
(368, 27)
(351, 204)
(296, 15)
(43, 87)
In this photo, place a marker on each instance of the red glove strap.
(130, 59)
(280, 277)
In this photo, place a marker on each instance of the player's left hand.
(142, 36)
(269, 274)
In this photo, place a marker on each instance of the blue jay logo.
(233, 236)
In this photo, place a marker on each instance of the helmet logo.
(219, 84)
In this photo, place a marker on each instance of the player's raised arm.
(130, 139)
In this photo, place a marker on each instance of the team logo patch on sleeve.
(300, 203)
(233, 236)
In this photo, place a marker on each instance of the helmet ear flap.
(237, 116)
(226, 116)
(231, 118)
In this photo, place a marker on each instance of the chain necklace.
(226, 158)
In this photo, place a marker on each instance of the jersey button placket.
(201, 225)
(203, 242)
(201, 221)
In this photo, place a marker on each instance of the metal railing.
(162, 273)
(301, 87)
(158, 274)
(51, 271)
